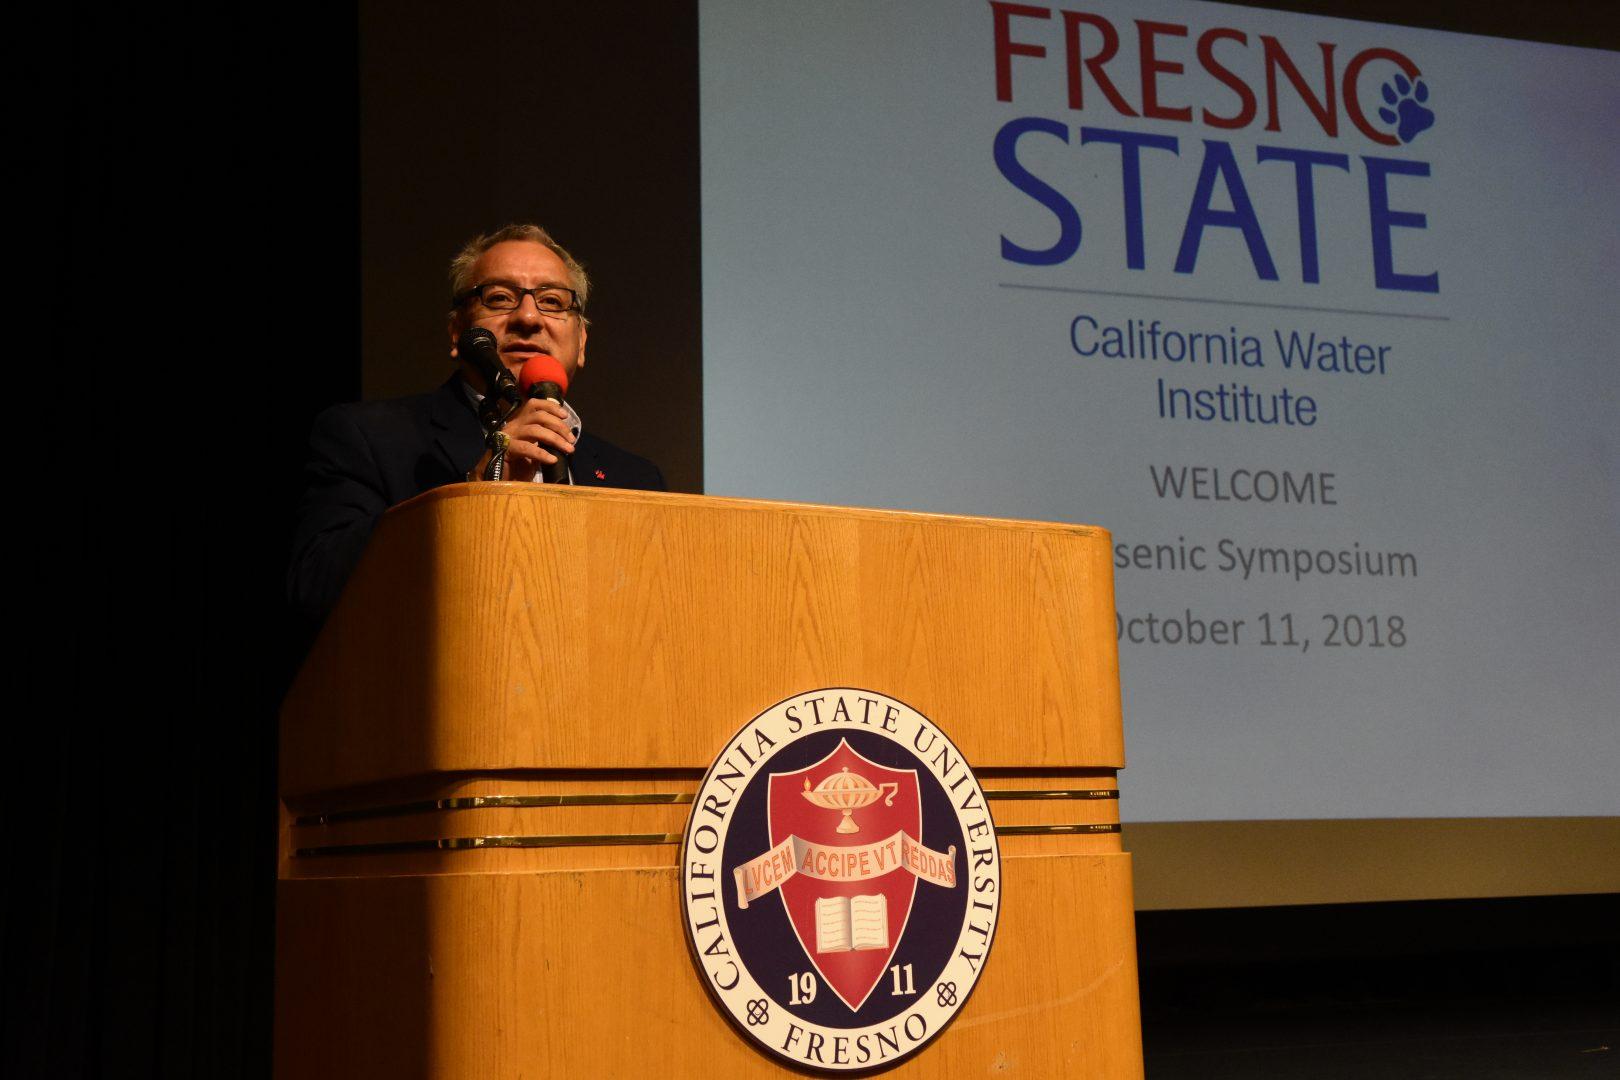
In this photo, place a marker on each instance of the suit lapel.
(585, 466)
(456, 433)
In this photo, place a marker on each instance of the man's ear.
(582, 336)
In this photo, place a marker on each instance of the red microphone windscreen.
(542, 368)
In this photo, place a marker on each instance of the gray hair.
(461, 266)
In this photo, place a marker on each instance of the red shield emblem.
(851, 897)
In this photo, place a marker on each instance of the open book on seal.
(845, 923)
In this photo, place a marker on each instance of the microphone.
(477, 346)
(544, 377)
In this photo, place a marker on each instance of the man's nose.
(528, 310)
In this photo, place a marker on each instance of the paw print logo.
(1404, 107)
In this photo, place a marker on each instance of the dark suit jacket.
(366, 457)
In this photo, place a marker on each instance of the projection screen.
(1317, 316)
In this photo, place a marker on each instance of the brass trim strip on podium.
(484, 802)
(1059, 793)
(473, 843)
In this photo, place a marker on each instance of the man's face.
(523, 332)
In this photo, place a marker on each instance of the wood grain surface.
(581, 645)
(586, 973)
(494, 626)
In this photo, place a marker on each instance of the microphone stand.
(492, 413)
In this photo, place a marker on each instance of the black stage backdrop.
(215, 196)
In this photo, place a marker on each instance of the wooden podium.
(488, 759)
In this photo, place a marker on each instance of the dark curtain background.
(209, 280)
(200, 307)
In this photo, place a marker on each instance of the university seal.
(841, 880)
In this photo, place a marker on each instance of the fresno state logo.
(841, 880)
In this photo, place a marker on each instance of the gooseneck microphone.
(477, 346)
(544, 377)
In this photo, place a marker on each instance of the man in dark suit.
(530, 293)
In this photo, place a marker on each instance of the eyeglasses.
(501, 297)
